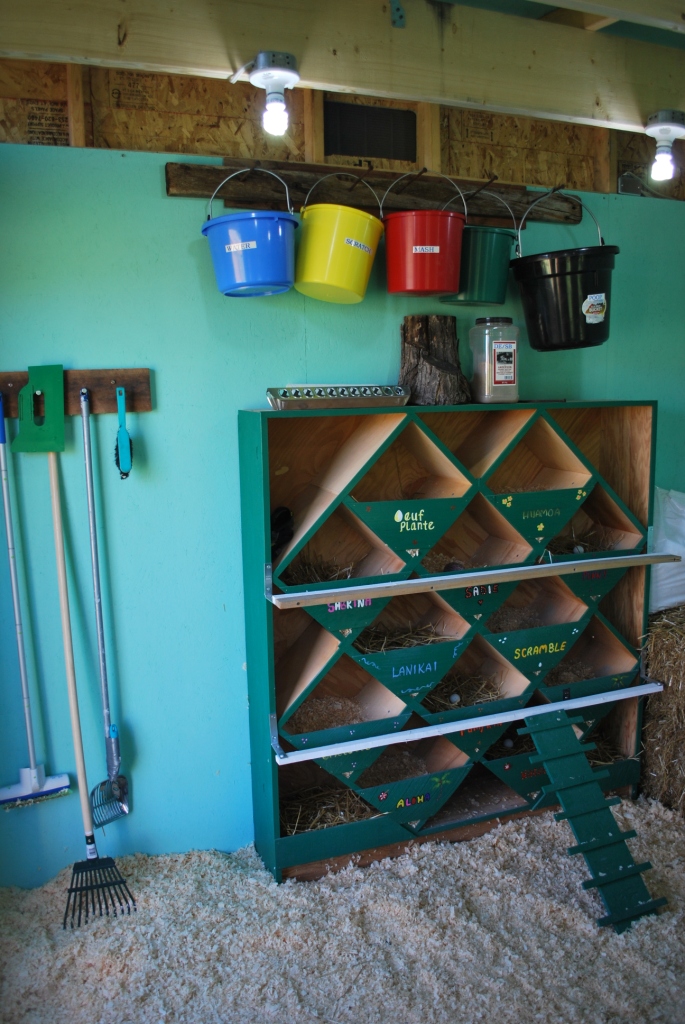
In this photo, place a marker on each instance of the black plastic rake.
(97, 888)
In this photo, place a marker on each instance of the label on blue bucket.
(240, 246)
(358, 245)
(425, 248)
(595, 307)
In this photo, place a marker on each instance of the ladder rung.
(610, 801)
(598, 844)
(539, 758)
(543, 726)
(631, 915)
(594, 777)
(617, 876)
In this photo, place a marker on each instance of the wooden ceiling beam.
(454, 55)
(664, 14)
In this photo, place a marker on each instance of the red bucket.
(423, 251)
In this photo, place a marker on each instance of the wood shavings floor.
(497, 930)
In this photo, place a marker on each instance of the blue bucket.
(253, 252)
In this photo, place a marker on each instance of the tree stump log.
(430, 361)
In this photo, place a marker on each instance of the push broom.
(33, 783)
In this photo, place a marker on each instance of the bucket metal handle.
(336, 174)
(413, 174)
(546, 195)
(247, 170)
(487, 192)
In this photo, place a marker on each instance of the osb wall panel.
(179, 114)
(524, 150)
(33, 103)
(635, 153)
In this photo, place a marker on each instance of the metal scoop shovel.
(110, 799)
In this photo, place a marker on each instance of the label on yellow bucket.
(240, 246)
(425, 248)
(358, 245)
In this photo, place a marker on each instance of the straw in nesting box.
(570, 670)
(375, 639)
(593, 538)
(508, 618)
(606, 751)
(302, 571)
(437, 562)
(322, 807)
(519, 745)
(325, 713)
(475, 689)
(393, 766)
(664, 724)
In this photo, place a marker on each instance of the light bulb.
(275, 117)
(663, 167)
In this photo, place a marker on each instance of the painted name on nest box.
(414, 670)
(344, 606)
(411, 801)
(551, 648)
(482, 591)
(537, 512)
(595, 574)
(412, 521)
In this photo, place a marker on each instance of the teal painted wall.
(101, 269)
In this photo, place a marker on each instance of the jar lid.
(494, 321)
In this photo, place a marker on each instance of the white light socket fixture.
(665, 126)
(275, 72)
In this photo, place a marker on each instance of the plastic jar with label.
(494, 343)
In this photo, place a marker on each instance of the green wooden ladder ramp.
(615, 875)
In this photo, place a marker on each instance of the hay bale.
(663, 775)
(325, 713)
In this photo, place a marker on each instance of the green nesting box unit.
(467, 562)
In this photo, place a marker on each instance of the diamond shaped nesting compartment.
(373, 496)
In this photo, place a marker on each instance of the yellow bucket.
(337, 249)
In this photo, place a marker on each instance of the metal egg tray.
(329, 396)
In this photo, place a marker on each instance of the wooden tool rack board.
(387, 492)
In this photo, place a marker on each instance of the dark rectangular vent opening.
(352, 129)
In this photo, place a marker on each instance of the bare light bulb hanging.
(274, 72)
(665, 126)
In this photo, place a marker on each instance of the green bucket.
(485, 257)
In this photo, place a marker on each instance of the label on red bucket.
(504, 362)
(425, 248)
(595, 307)
(240, 246)
(358, 245)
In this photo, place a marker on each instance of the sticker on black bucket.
(595, 308)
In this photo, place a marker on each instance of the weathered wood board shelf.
(427, 192)
(101, 384)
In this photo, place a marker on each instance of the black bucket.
(566, 294)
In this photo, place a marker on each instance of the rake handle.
(91, 849)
